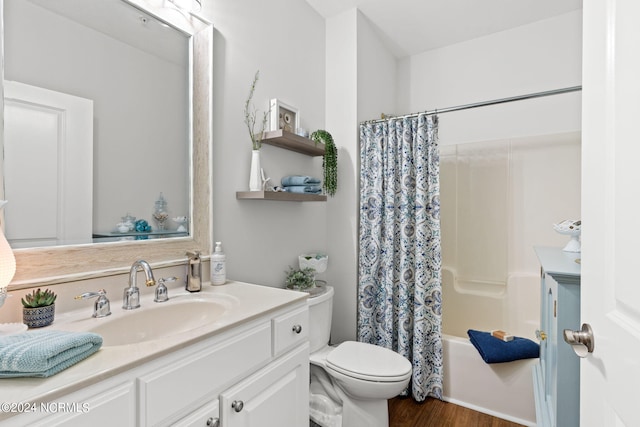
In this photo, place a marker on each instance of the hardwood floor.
(406, 412)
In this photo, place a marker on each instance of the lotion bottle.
(218, 266)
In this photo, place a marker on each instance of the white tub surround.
(252, 351)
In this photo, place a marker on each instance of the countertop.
(252, 301)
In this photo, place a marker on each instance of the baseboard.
(489, 412)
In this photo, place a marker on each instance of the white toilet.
(351, 382)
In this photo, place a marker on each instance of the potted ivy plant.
(329, 161)
(38, 308)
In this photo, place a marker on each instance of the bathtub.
(504, 390)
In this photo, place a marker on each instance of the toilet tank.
(320, 309)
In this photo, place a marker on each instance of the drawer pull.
(213, 422)
(297, 329)
(237, 405)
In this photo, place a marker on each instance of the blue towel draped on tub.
(290, 180)
(44, 353)
(494, 350)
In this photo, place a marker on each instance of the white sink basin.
(153, 320)
(160, 320)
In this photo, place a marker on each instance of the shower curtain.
(399, 273)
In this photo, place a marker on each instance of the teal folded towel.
(306, 189)
(298, 180)
(44, 353)
(494, 350)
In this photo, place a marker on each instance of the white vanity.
(247, 367)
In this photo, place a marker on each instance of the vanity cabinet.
(556, 377)
(112, 402)
(263, 363)
(274, 397)
(288, 141)
(167, 389)
(207, 416)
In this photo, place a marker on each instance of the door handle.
(581, 341)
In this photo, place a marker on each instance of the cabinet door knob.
(541, 335)
(297, 329)
(213, 422)
(237, 405)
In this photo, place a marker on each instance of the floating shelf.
(291, 141)
(279, 195)
(288, 141)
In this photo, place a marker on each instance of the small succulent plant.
(300, 279)
(39, 298)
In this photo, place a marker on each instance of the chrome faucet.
(162, 293)
(131, 296)
(101, 308)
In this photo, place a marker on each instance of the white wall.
(341, 112)
(537, 57)
(360, 83)
(285, 40)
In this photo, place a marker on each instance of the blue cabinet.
(556, 378)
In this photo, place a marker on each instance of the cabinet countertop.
(253, 301)
(557, 262)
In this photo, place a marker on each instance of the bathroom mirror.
(73, 262)
(96, 110)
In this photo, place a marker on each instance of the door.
(610, 208)
(47, 166)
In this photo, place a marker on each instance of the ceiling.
(413, 26)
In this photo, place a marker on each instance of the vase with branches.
(251, 116)
(251, 119)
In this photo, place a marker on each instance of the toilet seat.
(368, 362)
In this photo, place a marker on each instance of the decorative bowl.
(316, 261)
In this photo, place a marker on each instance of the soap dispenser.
(194, 272)
(218, 266)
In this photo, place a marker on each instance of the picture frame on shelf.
(284, 116)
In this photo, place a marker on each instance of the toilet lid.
(369, 362)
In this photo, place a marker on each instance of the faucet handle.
(102, 307)
(131, 298)
(162, 294)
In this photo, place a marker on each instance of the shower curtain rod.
(484, 103)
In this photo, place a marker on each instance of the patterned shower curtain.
(399, 277)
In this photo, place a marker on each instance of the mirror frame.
(51, 265)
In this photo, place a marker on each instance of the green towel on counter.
(44, 353)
